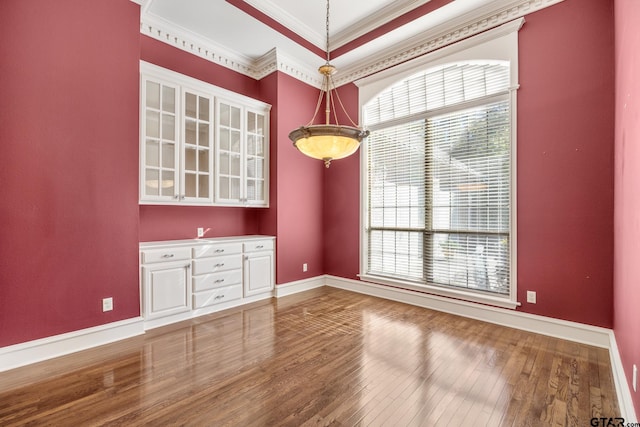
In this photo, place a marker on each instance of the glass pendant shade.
(327, 142)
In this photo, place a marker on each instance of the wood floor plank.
(324, 357)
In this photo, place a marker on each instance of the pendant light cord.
(327, 84)
(327, 26)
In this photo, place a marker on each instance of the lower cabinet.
(182, 279)
(217, 274)
(258, 273)
(166, 289)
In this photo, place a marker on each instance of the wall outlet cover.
(531, 297)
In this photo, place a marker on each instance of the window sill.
(443, 292)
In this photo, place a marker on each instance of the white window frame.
(500, 43)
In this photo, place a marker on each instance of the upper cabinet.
(200, 144)
(241, 155)
(159, 141)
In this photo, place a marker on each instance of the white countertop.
(201, 241)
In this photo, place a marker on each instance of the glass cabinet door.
(229, 153)
(159, 154)
(198, 146)
(256, 158)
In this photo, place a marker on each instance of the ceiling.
(257, 37)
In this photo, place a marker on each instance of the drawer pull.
(219, 297)
(167, 256)
(219, 265)
(219, 281)
(259, 246)
(219, 251)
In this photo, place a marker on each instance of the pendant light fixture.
(329, 141)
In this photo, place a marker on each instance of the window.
(438, 181)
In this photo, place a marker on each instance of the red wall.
(268, 218)
(341, 245)
(178, 222)
(69, 150)
(69, 144)
(300, 183)
(565, 168)
(565, 162)
(627, 193)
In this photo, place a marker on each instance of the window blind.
(437, 88)
(438, 179)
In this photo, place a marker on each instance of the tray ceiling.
(256, 37)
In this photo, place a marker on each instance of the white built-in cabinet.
(166, 273)
(258, 267)
(201, 144)
(241, 154)
(181, 279)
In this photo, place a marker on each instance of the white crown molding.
(454, 30)
(275, 59)
(183, 39)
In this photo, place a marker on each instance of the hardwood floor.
(322, 357)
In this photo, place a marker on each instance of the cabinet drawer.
(216, 264)
(216, 296)
(163, 255)
(217, 249)
(259, 245)
(217, 280)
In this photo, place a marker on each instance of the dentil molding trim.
(275, 60)
(455, 30)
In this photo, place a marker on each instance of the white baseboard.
(299, 286)
(620, 380)
(563, 329)
(23, 354)
(47, 348)
(571, 331)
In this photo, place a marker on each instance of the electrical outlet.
(635, 377)
(200, 231)
(304, 267)
(107, 304)
(531, 297)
